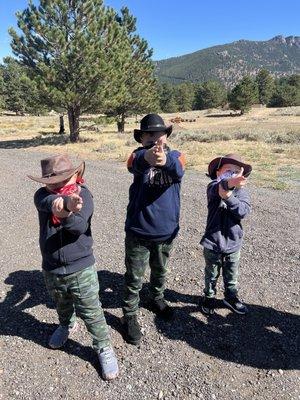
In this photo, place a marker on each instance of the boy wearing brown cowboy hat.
(65, 208)
(228, 204)
(152, 220)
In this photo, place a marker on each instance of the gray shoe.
(61, 335)
(108, 363)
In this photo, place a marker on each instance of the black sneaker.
(235, 305)
(132, 330)
(208, 306)
(161, 308)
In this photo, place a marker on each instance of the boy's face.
(150, 138)
(59, 185)
(228, 168)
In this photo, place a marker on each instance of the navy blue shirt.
(224, 230)
(65, 248)
(154, 196)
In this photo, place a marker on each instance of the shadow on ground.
(28, 291)
(45, 138)
(266, 338)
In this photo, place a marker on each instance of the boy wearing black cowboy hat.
(152, 220)
(65, 208)
(228, 204)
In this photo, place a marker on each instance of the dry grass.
(267, 138)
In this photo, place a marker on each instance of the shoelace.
(107, 356)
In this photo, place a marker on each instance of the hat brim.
(217, 163)
(137, 133)
(61, 177)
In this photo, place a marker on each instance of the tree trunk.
(73, 116)
(121, 124)
(61, 125)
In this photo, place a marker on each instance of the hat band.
(219, 163)
(156, 126)
(56, 174)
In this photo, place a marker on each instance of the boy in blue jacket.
(228, 204)
(65, 208)
(152, 220)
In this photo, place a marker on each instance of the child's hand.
(58, 208)
(224, 194)
(156, 156)
(238, 181)
(150, 156)
(160, 153)
(74, 202)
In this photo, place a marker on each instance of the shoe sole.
(133, 342)
(233, 309)
(110, 377)
(210, 312)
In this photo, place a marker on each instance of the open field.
(266, 137)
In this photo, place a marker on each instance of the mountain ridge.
(229, 62)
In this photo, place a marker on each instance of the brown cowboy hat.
(57, 169)
(235, 159)
(152, 123)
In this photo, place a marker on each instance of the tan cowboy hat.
(235, 159)
(57, 169)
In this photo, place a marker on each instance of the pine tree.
(2, 99)
(72, 48)
(19, 92)
(167, 99)
(266, 86)
(184, 96)
(210, 94)
(137, 91)
(244, 94)
(287, 92)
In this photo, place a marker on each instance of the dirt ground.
(226, 356)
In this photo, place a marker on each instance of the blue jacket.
(154, 196)
(224, 231)
(65, 248)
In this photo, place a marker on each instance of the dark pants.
(229, 263)
(138, 254)
(79, 292)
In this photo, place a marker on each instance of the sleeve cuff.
(232, 200)
(69, 221)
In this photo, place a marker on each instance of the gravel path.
(224, 357)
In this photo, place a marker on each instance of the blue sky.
(176, 27)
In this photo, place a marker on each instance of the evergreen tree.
(287, 92)
(244, 94)
(167, 98)
(2, 99)
(20, 93)
(136, 92)
(72, 49)
(266, 86)
(184, 96)
(210, 94)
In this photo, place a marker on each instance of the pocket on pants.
(88, 283)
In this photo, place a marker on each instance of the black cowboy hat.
(152, 123)
(57, 169)
(235, 159)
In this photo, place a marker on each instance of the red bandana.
(65, 190)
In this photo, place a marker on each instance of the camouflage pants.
(78, 293)
(229, 263)
(140, 253)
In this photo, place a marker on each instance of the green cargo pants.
(229, 263)
(138, 254)
(78, 293)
